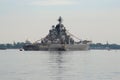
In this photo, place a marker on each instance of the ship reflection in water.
(58, 39)
(57, 66)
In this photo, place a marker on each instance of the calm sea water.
(70, 65)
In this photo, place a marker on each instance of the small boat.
(21, 49)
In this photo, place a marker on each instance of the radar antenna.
(60, 19)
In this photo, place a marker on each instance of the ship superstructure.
(58, 35)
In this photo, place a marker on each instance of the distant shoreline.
(93, 46)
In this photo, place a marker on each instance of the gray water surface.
(70, 65)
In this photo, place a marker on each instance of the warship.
(58, 39)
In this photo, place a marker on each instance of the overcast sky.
(96, 20)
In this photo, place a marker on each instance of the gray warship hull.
(57, 47)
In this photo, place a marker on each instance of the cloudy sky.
(96, 20)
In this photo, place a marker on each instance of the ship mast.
(60, 20)
(60, 26)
